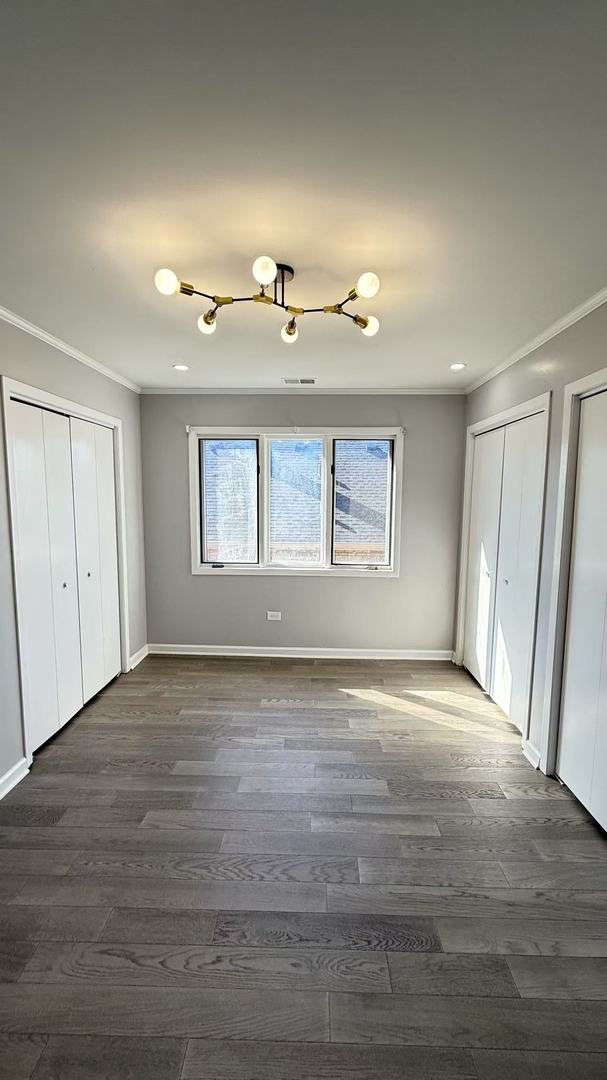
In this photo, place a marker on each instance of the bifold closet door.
(60, 513)
(518, 564)
(482, 553)
(96, 550)
(582, 750)
(33, 573)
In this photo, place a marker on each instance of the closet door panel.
(84, 469)
(33, 574)
(58, 469)
(518, 565)
(482, 553)
(108, 551)
(582, 761)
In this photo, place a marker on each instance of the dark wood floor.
(297, 870)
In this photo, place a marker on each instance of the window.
(296, 516)
(362, 494)
(228, 483)
(295, 501)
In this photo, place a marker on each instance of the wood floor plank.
(281, 769)
(318, 843)
(19, 1055)
(362, 804)
(95, 1057)
(407, 871)
(400, 824)
(474, 1022)
(552, 875)
(313, 786)
(458, 847)
(571, 977)
(261, 801)
(367, 932)
(445, 974)
(168, 926)
(43, 923)
(14, 955)
(227, 819)
(17, 861)
(524, 936)
(593, 849)
(224, 867)
(153, 1011)
(145, 892)
(278, 1061)
(538, 1065)
(539, 827)
(481, 902)
(207, 967)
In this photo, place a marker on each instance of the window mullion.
(328, 499)
(264, 501)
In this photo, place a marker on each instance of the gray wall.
(576, 352)
(31, 361)
(415, 611)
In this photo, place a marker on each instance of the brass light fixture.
(266, 273)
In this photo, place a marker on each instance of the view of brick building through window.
(362, 496)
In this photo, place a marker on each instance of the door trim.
(573, 395)
(31, 395)
(531, 407)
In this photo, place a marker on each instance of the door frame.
(531, 407)
(573, 395)
(31, 395)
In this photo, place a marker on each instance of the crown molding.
(316, 391)
(62, 346)
(552, 331)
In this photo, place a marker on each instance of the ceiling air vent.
(298, 382)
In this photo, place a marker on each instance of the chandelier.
(268, 273)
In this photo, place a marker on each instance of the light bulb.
(289, 332)
(457, 367)
(367, 285)
(166, 282)
(264, 270)
(371, 328)
(181, 367)
(207, 324)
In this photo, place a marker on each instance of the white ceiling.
(458, 149)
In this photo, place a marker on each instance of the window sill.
(299, 571)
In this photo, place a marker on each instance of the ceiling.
(458, 150)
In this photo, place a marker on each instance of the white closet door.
(582, 751)
(58, 470)
(518, 564)
(108, 550)
(482, 553)
(84, 467)
(33, 574)
(96, 548)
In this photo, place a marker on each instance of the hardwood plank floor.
(231, 869)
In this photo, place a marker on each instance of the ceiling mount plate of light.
(268, 273)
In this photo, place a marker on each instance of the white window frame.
(194, 434)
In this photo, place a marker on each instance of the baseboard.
(13, 776)
(137, 657)
(297, 652)
(531, 754)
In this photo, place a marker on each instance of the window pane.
(362, 500)
(229, 500)
(295, 500)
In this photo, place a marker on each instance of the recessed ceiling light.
(457, 367)
(181, 367)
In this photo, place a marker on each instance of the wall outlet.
(274, 616)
